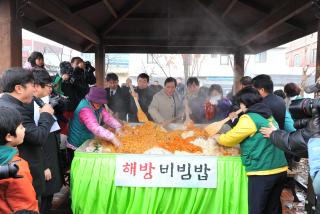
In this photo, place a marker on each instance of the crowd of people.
(44, 119)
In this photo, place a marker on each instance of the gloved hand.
(314, 124)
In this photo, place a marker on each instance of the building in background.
(285, 63)
(53, 52)
(302, 52)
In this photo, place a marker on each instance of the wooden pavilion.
(157, 26)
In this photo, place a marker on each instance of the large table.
(93, 190)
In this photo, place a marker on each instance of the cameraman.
(75, 85)
(303, 142)
(87, 68)
(296, 143)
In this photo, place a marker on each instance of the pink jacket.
(88, 118)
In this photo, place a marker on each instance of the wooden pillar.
(100, 64)
(10, 36)
(318, 54)
(238, 70)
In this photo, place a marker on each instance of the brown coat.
(165, 108)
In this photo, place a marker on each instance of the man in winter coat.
(145, 95)
(263, 83)
(166, 105)
(51, 166)
(118, 98)
(18, 86)
(196, 101)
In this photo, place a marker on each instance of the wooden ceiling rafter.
(129, 28)
(229, 8)
(109, 27)
(72, 22)
(30, 26)
(217, 20)
(265, 10)
(72, 10)
(276, 18)
(110, 8)
(83, 5)
(164, 42)
(166, 49)
(282, 39)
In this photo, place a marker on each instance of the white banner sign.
(166, 171)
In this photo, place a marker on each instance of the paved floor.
(290, 207)
(61, 203)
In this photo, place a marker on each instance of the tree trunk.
(186, 65)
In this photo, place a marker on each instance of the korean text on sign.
(166, 171)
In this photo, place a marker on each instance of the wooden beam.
(280, 40)
(185, 37)
(238, 70)
(83, 5)
(169, 50)
(168, 43)
(110, 8)
(74, 9)
(216, 20)
(279, 16)
(44, 22)
(100, 64)
(265, 10)
(11, 36)
(228, 9)
(87, 47)
(318, 55)
(255, 5)
(109, 28)
(29, 25)
(74, 23)
(142, 16)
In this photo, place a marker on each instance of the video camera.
(66, 68)
(301, 111)
(314, 88)
(9, 170)
(89, 67)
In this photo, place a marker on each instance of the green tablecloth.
(93, 190)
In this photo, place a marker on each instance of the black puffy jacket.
(294, 143)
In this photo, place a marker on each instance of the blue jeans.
(316, 184)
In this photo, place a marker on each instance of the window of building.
(313, 57)
(297, 60)
(261, 57)
(26, 48)
(150, 59)
(224, 59)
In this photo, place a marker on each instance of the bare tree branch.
(159, 64)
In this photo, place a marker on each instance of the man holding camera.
(76, 78)
(305, 141)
